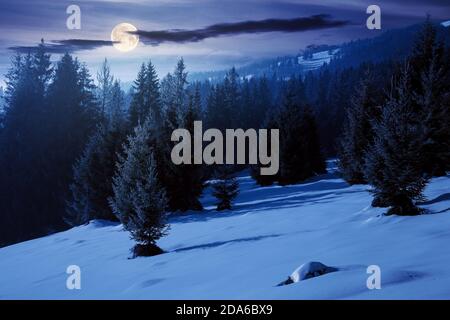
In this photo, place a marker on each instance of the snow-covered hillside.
(282, 67)
(317, 60)
(245, 253)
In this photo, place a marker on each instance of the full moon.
(124, 41)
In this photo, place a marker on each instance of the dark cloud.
(63, 46)
(314, 22)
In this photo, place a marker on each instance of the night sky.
(203, 40)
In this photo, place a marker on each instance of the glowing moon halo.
(124, 41)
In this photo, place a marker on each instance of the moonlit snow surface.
(245, 253)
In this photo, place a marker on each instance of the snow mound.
(308, 270)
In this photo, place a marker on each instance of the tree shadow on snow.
(220, 243)
(442, 197)
(320, 189)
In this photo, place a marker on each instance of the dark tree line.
(50, 112)
(264, 103)
(301, 156)
(328, 91)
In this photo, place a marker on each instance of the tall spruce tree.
(179, 86)
(216, 115)
(23, 154)
(137, 111)
(138, 197)
(93, 173)
(104, 86)
(271, 122)
(434, 106)
(232, 97)
(152, 94)
(94, 170)
(183, 183)
(48, 119)
(72, 118)
(430, 75)
(393, 162)
(192, 176)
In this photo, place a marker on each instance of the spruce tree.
(225, 189)
(137, 112)
(434, 104)
(94, 170)
(248, 117)
(152, 94)
(167, 92)
(183, 183)
(427, 49)
(49, 116)
(232, 97)
(146, 100)
(104, 86)
(191, 176)
(169, 173)
(138, 197)
(24, 153)
(216, 115)
(430, 74)
(116, 112)
(255, 170)
(312, 142)
(393, 162)
(263, 101)
(300, 155)
(93, 173)
(72, 119)
(358, 133)
(179, 86)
